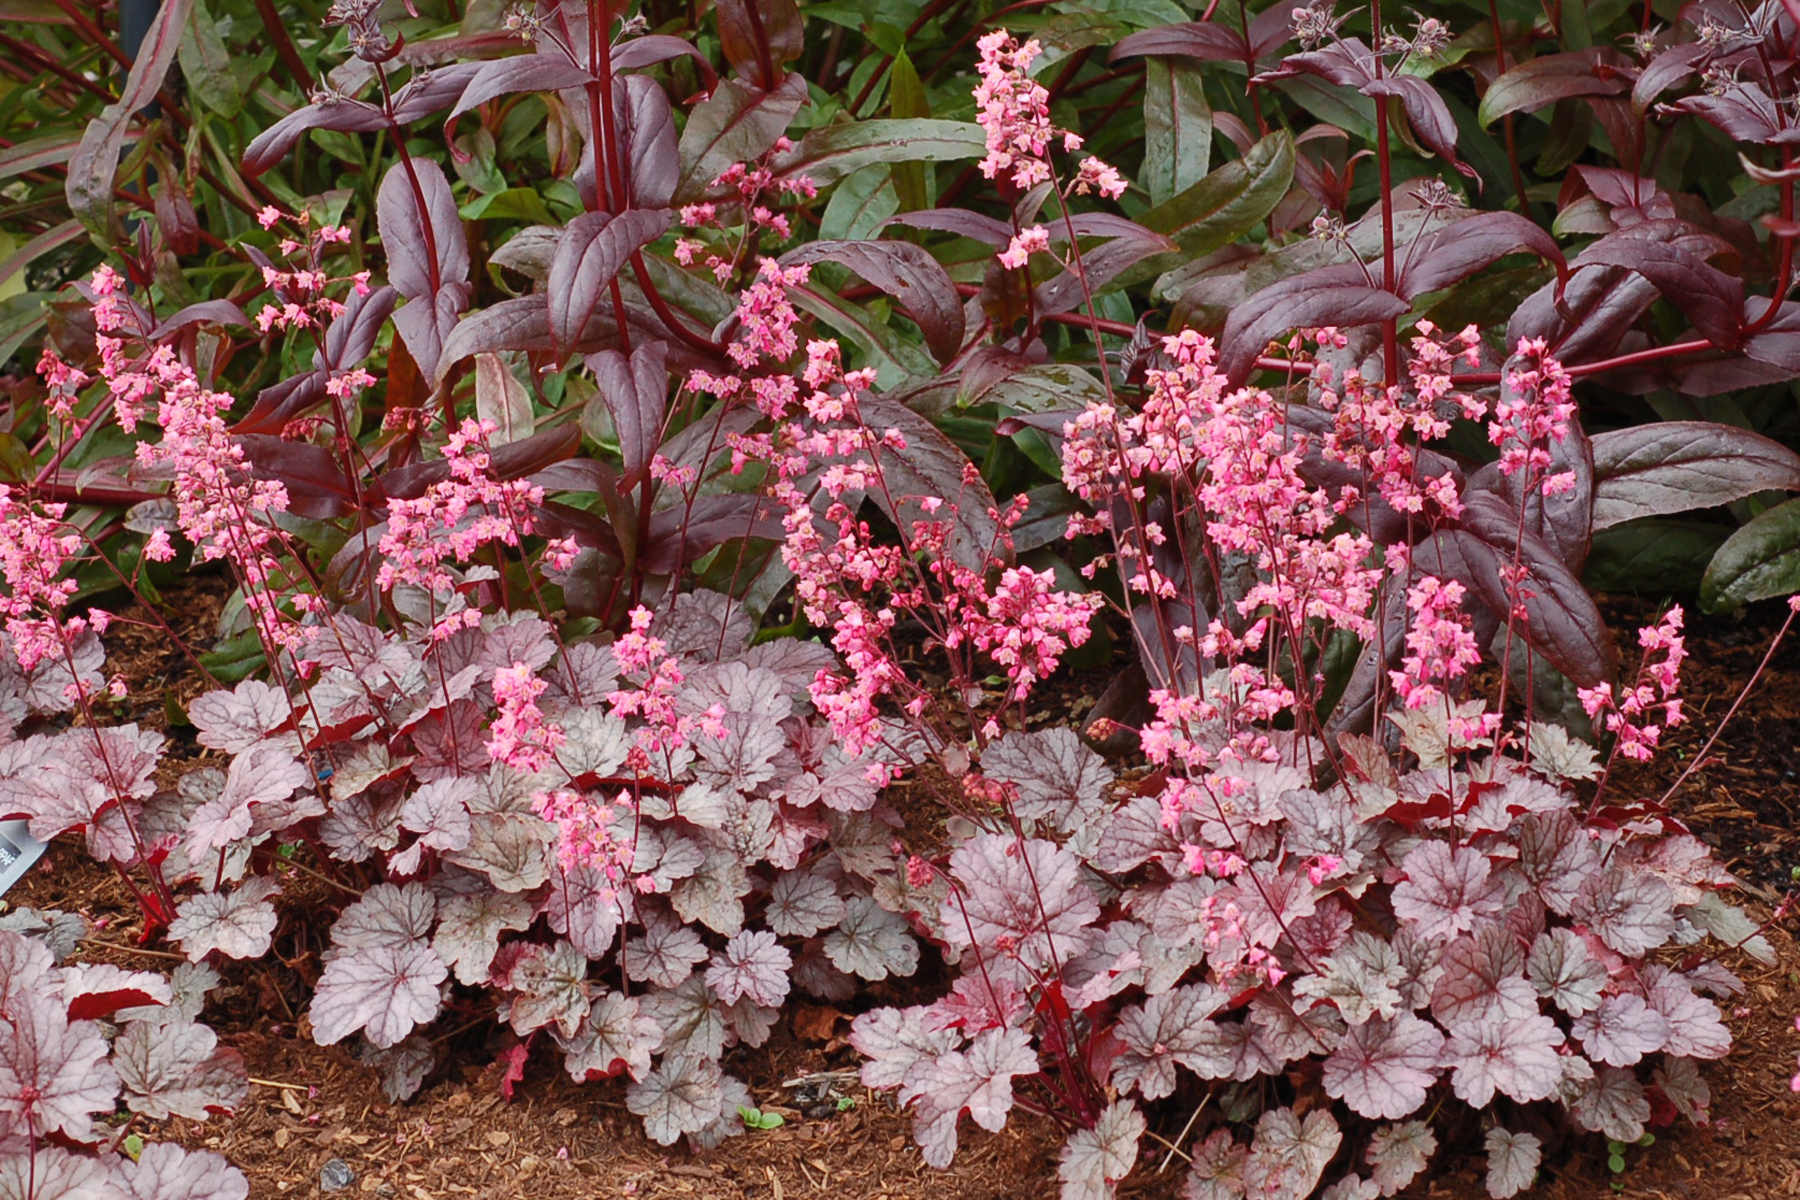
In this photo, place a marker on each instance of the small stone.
(335, 1176)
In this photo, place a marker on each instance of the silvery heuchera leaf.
(1111, 963)
(682, 1095)
(450, 742)
(513, 638)
(594, 743)
(1613, 1103)
(615, 1037)
(893, 1039)
(1681, 1082)
(26, 965)
(54, 1073)
(403, 1068)
(1133, 837)
(1516, 1056)
(588, 907)
(714, 895)
(1512, 1162)
(60, 931)
(166, 1171)
(178, 1069)
(1631, 911)
(439, 813)
(263, 774)
(469, 929)
(1694, 1027)
(1290, 1154)
(751, 1023)
(188, 987)
(1352, 1187)
(238, 924)
(511, 849)
(1270, 898)
(666, 953)
(1731, 925)
(1382, 1069)
(1028, 891)
(1167, 1030)
(1397, 1153)
(1362, 979)
(977, 1001)
(803, 902)
(235, 721)
(1621, 1030)
(1559, 757)
(871, 942)
(1059, 780)
(583, 675)
(1217, 1172)
(1285, 1030)
(51, 1171)
(387, 990)
(746, 756)
(816, 975)
(978, 1080)
(1445, 889)
(367, 764)
(1481, 978)
(387, 915)
(549, 984)
(691, 1018)
(356, 828)
(754, 964)
(734, 1097)
(93, 990)
(1093, 1161)
(1563, 972)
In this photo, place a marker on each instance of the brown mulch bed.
(556, 1140)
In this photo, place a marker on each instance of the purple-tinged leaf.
(1029, 892)
(682, 1095)
(425, 246)
(1631, 911)
(871, 942)
(50, 1171)
(1682, 1084)
(386, 991)
(910, 275)
(1676, 466)
(752, 964)
(1472, 245)
(469, 929)
(179, 1070)
(1397, 1153)
(647, 133)
(801, 903)
(1059, 779)
(239, 924)
(1426, 110)
(1093, 1161)
(54, 1075)
(614, 1038)
(634, 394)
(402, 1068)
(1217, 1172)
(522, 323)
(666, 953)
(1362, 979)
(1169, 1030)
(1746, 113)
(421, 96)
(757, 36)
(831, 151)
(958, 221)
(507, 76)
(592, 249)
(1382, 1069)
(1596, 309)
(1290, 1154)
(1542, 81)
(1208, 41)
(386, 915)
(1512, 1162)
(895, 1039)
(1621, 1030)
(235, 721)
(1712, 299)
(1557, 857)
(166, 1171)
(1445, 890)
(1337, 295)
(1516, 1056)
(978, 1080)
(1694, 1027)
(1613, 1103)
(735, 124)
(932, 466)
(315, 481)
(1669, 69)
(1564, 973)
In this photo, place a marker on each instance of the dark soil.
(556, 1140)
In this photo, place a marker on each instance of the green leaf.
(133, 1146)
(860, 204)
(1759, 561)
(1615, 1163)
(1178, 128)
(1220, 208)
(206, 65)
(235, 658)
(756, 1118)
(827, 155)
(513, 204)
(846, 1103)
(907, 102)
(1652, 555)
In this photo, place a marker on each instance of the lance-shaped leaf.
(1223, 206)
(178, 1069)
(1712, 299)
(1426, 110)
(1338, 295)
(633, 393)
(95, 162)
(593, 248)
(1541, 82)
(1759, 561)
(421, 230)
(506, 76)
(1674, 466)
(424, 94)
(931, 466)
(910, 275)
(735, 124)
(647, 132)
(830, 152)
(757, 36)
(1472, 245)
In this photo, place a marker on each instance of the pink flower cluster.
(520, 736)
(586, 838)
(1532, 414)
(1440, 648)
(36, 547)
(301, 297)
(656, 697)
(751, 184)
(452, 520)
(1639, 715)
(1014, 110)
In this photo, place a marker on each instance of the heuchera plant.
(551, 775)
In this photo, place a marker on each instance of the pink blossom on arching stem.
(1025, 243)
(1532, 414)
(1440, 647)
(520, 737)
(1639, 714)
